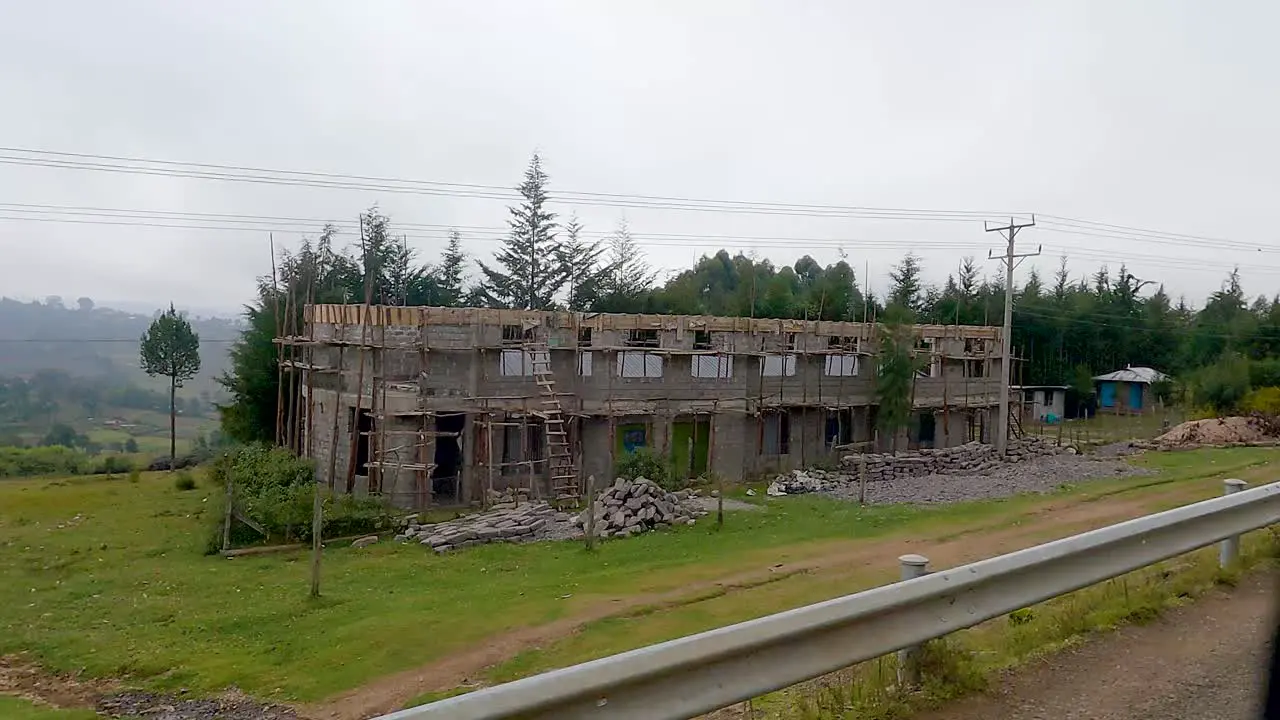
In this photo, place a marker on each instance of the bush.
(1222, 385)
(183, 481)
(135, 475)
(1264, 400)
(51, 460)
(643, 462)
(112, 464)
(131, 445)
(277, 489)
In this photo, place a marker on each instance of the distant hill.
(82, 339)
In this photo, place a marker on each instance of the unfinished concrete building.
(427, 405)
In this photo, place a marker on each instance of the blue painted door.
(1107, 394)
(1135, 396)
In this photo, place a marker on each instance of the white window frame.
(842, 365)
(650, 364)
(711, 366)
(584, 364)
(515, 363)
(778, 365)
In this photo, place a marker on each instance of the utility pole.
(1011, 258)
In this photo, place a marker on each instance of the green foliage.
(1222, 385)
(183, 481)
(896, 368)
(112, 464)
(277, 489)
(131, 445)
(171, 348)
(644, 462)
(63, 435)
(1264, 400)
(528, 274)
(51, 460)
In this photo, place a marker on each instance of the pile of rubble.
(1217, 431)
(968, 459)
(799, 482)
(507, 522)
(623, 509)
(629, 507)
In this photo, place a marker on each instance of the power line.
(244, 223)
(233, 173)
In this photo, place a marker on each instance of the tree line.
(1066, 328)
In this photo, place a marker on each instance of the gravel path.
(131, 704)
(1040, 475)
(1204, 661)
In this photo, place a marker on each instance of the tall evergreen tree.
(907, 283)
(529, 272)
(581, 259)
(629, 279)
(451, 273)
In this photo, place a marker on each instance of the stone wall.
(968, 459)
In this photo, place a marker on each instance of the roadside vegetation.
(109, 577)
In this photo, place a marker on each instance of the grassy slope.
(12, 708)
(124, 592)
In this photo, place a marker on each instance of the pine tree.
(630, 278)
(581, 260)
(906, 287)
(530, 271)
(450, 275)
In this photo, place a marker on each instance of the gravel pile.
(505, 522)
(1215, 431)
(133, 703)
(629, 507)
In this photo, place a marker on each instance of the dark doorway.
(364, 435)
(839, 427)
(446, 477)
(928, 429)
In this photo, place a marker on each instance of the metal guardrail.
(700, 673)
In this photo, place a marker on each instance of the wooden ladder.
(564, 474)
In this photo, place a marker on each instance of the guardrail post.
(1229, 549)
(913, 566)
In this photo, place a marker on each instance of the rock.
(365, 541)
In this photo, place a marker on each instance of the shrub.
(277, 489)
(135, 475)
(643, 462)
(183, 481)
(112, 464)
(51, 460)
(1223, 384)
(131, 445)
(1264, 400)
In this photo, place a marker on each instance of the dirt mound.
(1216, 431)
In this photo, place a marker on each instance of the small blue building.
(1127, 391)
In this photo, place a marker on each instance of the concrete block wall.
(458, 376)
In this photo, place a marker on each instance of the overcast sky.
(1157, 115)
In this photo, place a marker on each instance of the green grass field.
(12, 708)
(108, 577)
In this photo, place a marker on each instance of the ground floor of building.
(455, 458)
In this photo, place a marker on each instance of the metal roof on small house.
(1132, 374)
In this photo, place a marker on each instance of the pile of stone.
(629, 507)
(799, 482)
(507, 522)
(969, 459)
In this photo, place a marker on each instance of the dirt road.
(1205, 661)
